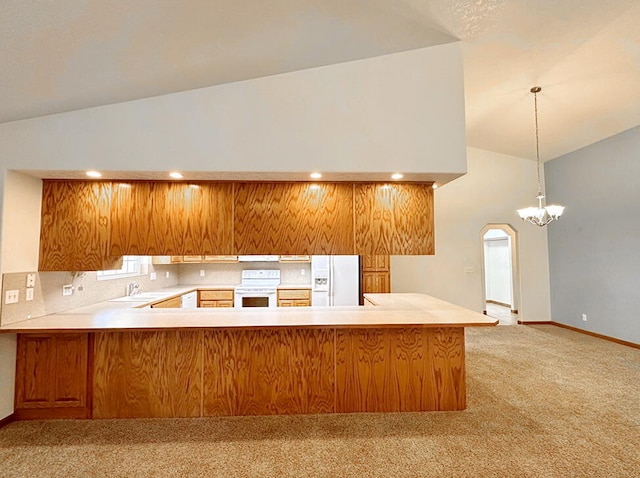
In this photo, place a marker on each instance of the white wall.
(495, 186)
(403, 112)
(20, 234)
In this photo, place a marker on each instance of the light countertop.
(390, 310)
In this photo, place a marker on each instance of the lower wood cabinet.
(294, 297)
(376, 282)
(174, 302)
(52, 376)
(215, 298)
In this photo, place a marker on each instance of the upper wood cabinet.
(293, 218)
(394, 219)
(304, 258)
(157, 218)
(88, 224)
(75, 226)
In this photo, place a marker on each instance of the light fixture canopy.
(541, 215)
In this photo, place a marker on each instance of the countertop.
(390, 310)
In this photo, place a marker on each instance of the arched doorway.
(500, 278)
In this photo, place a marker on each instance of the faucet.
(133, 288)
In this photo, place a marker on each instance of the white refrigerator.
(335, 280)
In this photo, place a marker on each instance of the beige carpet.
(543, 402)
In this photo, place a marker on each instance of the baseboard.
(8, 419)
(52, 413)
(599, 336)
(582, 331)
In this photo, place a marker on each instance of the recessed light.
(94, 174)
(176, 175)
(397, 176)
(315, 175)
(435, 186)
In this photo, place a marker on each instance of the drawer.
(216, 303)
(216, 294)
(295, 294)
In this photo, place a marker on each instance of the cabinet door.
(222, 259)
(294, 259)
(372, 263)
(175, 302)
(376, 282)
(383, 282)
(382, 263)
(74, 232)
(286, 303)
(51, 371)
(192, 258)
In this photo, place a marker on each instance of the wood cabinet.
(173, 303)
(293, 218)
(376, 282)
(376, 274)
(375, 263)
(161, 218)
(393, 218)
(52, 376)
(88, 225)
(294, 259)
(215, 298)
(75, 227)
(294, 297)
(220, 259)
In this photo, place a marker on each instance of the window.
(131, 266)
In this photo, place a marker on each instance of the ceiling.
(585, 54)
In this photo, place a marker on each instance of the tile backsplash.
(87, 290)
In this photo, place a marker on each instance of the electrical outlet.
(67, 289)
(302, 272)
(29, 295)
(31, 280)
(167, 274)
(153, 276)
(584, 317)
(201, 272)
(12, 296)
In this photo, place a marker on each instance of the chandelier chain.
(535, 103)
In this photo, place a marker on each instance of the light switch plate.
(153, 276)
(31, 280)
(167, 274)
(67, 289)
(201, 272)
(12, 296)
(29, 295)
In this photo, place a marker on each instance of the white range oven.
(259, 288)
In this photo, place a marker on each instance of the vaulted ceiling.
(585, 54)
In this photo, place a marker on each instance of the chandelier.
(540, 216)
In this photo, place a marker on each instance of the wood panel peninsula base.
(358, 362)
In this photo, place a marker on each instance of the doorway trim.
(515, 268)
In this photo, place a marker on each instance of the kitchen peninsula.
(401, 352)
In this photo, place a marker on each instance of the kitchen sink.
(142, 297)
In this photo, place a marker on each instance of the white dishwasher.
(189, 301)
